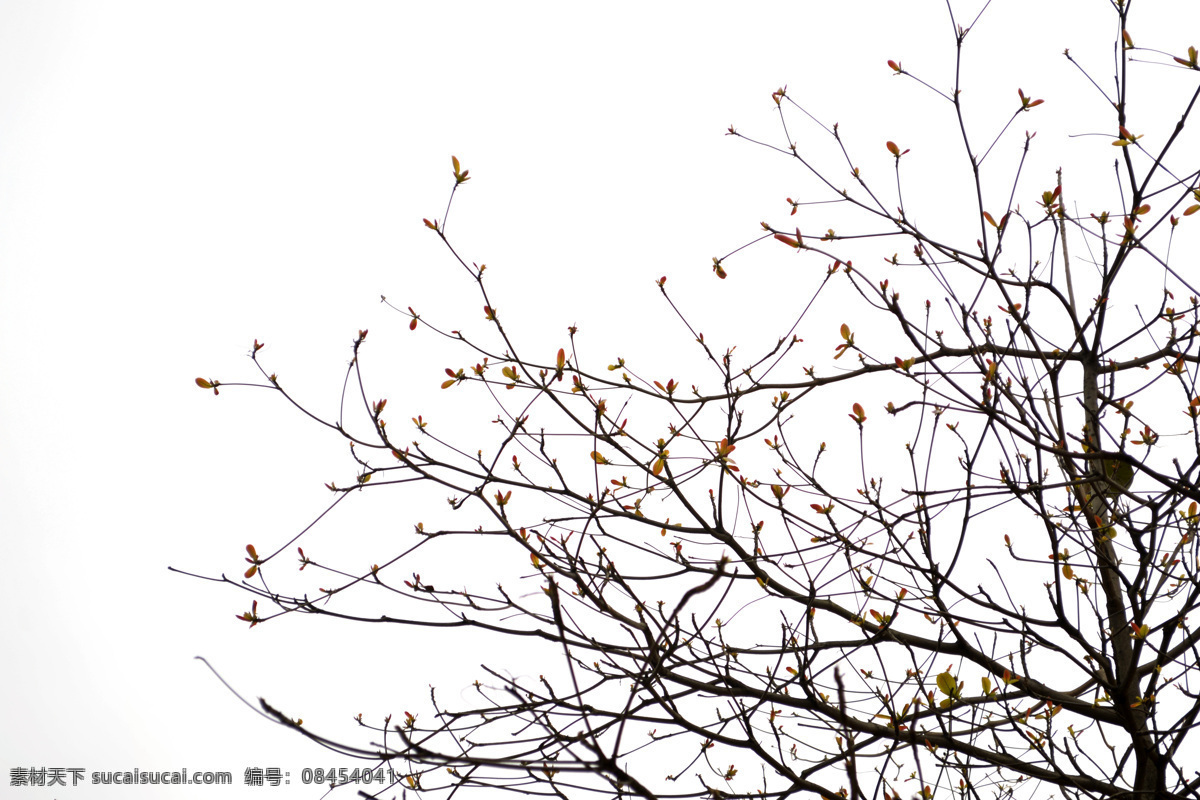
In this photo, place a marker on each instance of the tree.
(980, 584)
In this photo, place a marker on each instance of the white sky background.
(177, 180)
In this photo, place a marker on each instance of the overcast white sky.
(179, 179)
